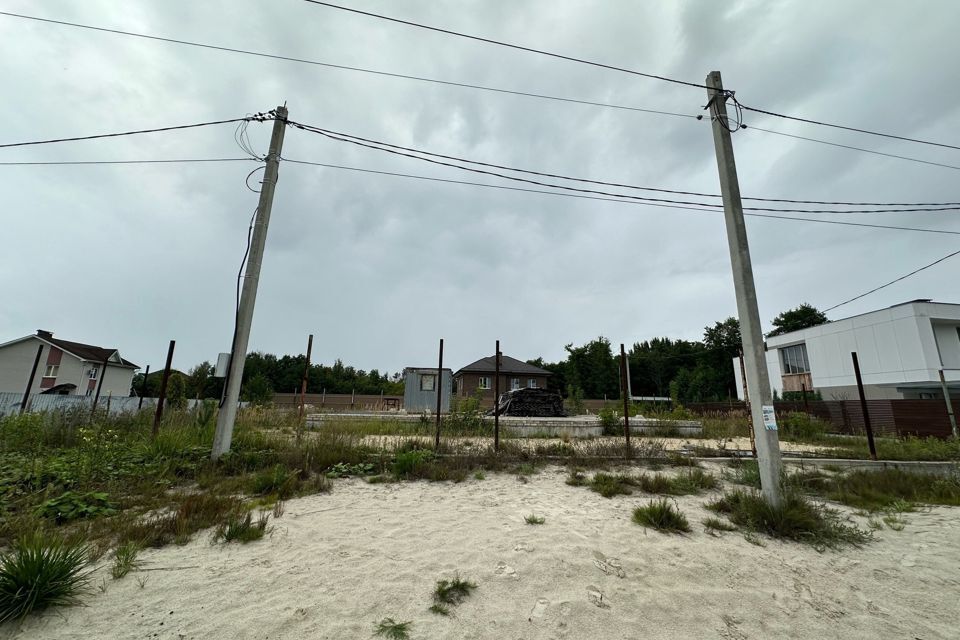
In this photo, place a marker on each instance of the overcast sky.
(379, 268)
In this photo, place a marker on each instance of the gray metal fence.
(38, 402)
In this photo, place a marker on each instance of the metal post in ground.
(496, 398)
(863, 406)
(946, 397)
(163, 389)
(143, 389)
(806, 405)
(248, 298)
(33, 373)
(439, 386)
(96, 397)
(624, 386)
(306, 375)
(758, 381)
(746, 398)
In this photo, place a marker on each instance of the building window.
(514, 384)
(483, 382)
(52, 371)
(92, 373)
(795, 359)
(428, 382)
(532, 383)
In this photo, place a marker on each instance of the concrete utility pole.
(248, 297)
(758, 381)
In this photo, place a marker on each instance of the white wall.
(902, 344)
(15, 362)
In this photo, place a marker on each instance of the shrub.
(411, 463)
(802, 426)
(40, 572)
(534, 519)
(74, 506)
(609, 420)
(661, 515)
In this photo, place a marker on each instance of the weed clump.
(609, 485)
(880, 490)
(796, 518)
(661, 515)
(712, 525)
(452, 592)
(40, 572)
(125, 559)
(534, 519)
(390, 628)
(242, 528)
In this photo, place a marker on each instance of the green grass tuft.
(609, 485)
(534, 519)
(243, 529)
(452, 592)
(125, 559)
(661, 515)
(712, 524)
(889, 488)
(390, 628)
(440, 609)
(797, 519)
(40, 572)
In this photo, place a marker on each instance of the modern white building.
(65, 367)
(901, 351)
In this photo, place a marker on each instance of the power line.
(329, 65)
(372, 145)
(621, 185)
(131, 133)
(85, 162)
(903, 277)
(587, 197)
(847, 146)
(509, 45)
(846, 128)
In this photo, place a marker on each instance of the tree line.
(265, 374)
(684, 370)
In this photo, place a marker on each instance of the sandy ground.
(338, 563)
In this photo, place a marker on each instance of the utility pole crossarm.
(754, 356)
(248, 297)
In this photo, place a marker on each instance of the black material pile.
(536, 403)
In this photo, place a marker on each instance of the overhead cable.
(509, 45)
(131, 133)
(846, 128)
(903, 277)
(373, 145)
(329, 65)
(622, 185)
(85, 162)
(634, 202)
(847, 146)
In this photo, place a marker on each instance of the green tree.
(258, 390)
(804, 316)
(177, 391)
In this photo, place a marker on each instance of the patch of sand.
(338, 563)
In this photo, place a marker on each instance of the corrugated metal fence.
(887, 417)
(10, 403)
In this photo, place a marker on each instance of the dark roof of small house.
(507, 365)
(88, 351)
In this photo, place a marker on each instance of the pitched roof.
(88, 352)
(507, 365)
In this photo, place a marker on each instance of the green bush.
(40, 572)
(609, 420)
(74, 506)
(411, 464)
(803, 427)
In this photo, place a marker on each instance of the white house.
(901, 351)
(68, 368)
